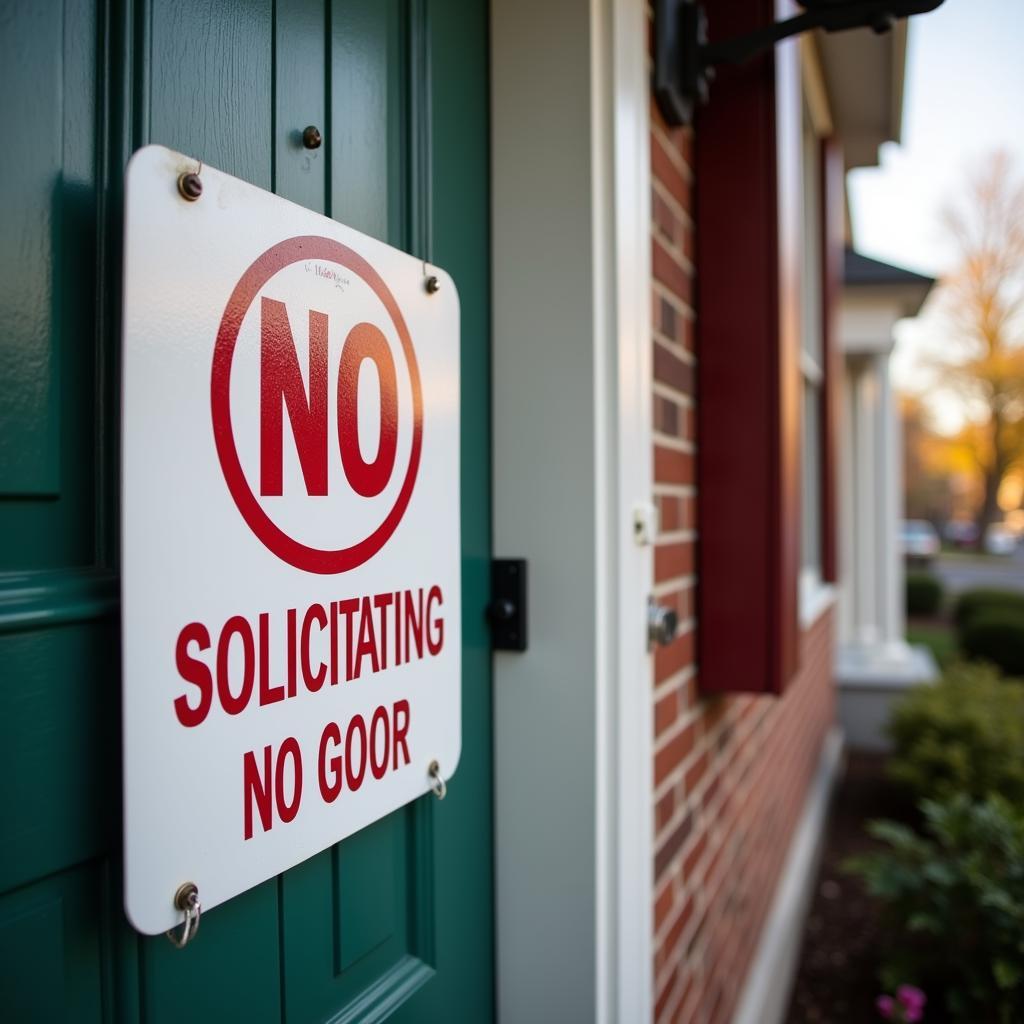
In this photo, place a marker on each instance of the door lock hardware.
(507, 611)
(662, 623)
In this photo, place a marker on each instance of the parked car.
(999, 540)
(919, 539)
(961, 533)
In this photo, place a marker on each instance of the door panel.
(209, 87)
(397, 920)
(47, 309)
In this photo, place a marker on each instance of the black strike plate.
(507, 610)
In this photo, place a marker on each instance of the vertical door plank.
(210, 83)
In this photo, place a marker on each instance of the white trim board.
(769, 982)
(572, 444)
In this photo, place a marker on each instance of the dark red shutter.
(748, 263)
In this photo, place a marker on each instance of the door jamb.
(572, 461)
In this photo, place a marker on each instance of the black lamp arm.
(879, 15)
(685, 61)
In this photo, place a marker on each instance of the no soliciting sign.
(290, 503)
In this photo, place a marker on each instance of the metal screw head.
(432, 284)
(311, 137)
(187, 892)
(190, 186)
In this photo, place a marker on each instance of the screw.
(187, 891)
(190, 186)
(432, 284)
(311, 137)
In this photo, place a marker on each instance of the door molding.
(572, 460)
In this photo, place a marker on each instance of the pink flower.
(912, 1000)
(886, 1006)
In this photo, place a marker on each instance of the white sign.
(290, 532)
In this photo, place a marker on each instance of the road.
(963, 572)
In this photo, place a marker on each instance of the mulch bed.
(838, 975)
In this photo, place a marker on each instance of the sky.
(963, 99)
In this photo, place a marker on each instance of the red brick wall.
(731, 774)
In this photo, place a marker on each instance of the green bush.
(997, 636)
(924, 593)
(953, 902)
(964, 734)
(970, 602)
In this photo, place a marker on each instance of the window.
(812, 365)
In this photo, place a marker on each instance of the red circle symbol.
(275, 259)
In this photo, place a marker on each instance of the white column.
(865, 568)
(847, 506)
(890, 509)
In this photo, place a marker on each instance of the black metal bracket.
(507, 610)
(685, 62)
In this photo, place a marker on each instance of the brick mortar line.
(677, 444)
(669, 197)
(668, 592)
(682, 307)
(678, 581)
(676, 536)
(668, 387)
(667, 490)
(674, 347)
(661, 837)
(690, 801)
(683, 676)
(686, 718)
(668, 923)
(675, 1004)
(676, 157)
(681, 398)
(673, 248)
(675, 252)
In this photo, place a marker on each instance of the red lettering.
(413, 624)
(292, 671)
(287, 811)
(281, 384)
(383, 602)
(334, 644)
(401, 732)
(398, 629)
(313, 682)
(239, 626)
(356, 725)
(435, 630)
(329, 787)
(367, 639)
(346, 608)
(255, 787)
(365, 341)
(379, 767)
(268, 694)
(192, 670)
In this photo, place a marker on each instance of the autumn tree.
(983, 302)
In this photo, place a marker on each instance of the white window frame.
(815, 596)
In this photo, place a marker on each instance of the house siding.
(731, 773)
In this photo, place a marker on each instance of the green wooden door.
(397, 920)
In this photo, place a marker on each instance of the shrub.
(997, 636)
(953, 901)
(970, 602)
(924, 593)
(964, 734)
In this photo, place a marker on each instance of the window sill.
(816, 598)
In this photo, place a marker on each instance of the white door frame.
(572, 465)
